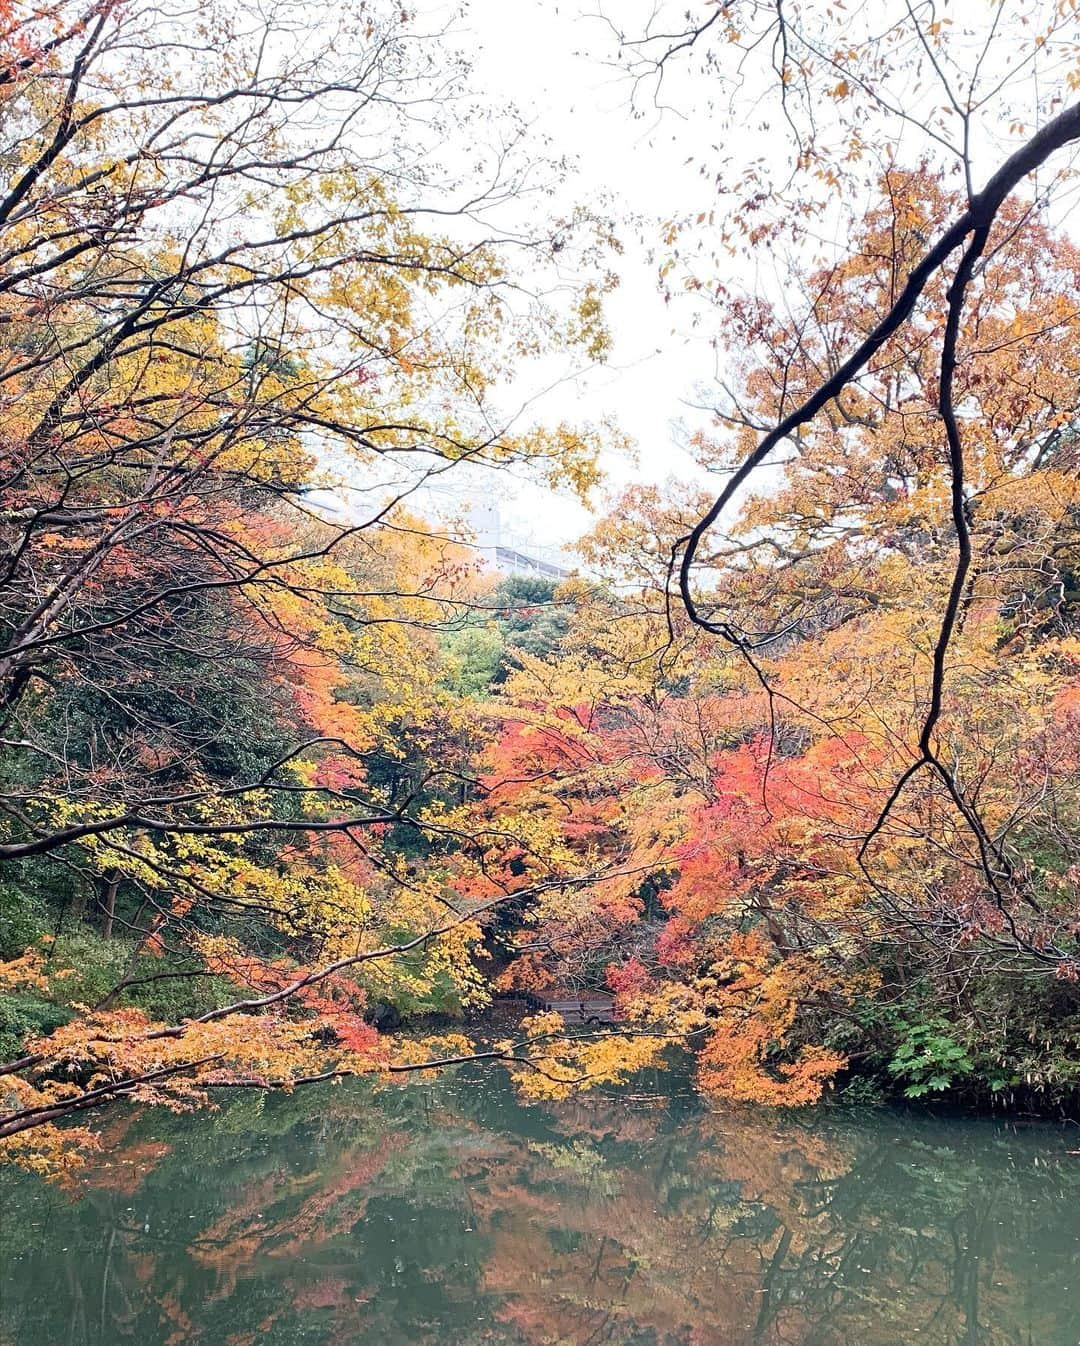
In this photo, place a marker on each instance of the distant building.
(472, 517)
(510, 561)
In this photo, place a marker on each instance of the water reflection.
(450, 1214)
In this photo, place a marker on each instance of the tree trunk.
(108, 903)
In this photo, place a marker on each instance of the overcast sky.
(549, 60)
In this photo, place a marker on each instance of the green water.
(448, 1213)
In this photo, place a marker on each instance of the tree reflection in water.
(441, 1214)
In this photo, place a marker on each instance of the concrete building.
(470, 514)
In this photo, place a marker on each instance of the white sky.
(548, 60)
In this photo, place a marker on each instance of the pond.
(444, 1213)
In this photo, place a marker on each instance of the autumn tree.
(865, 848)
(930, 343)
(252, 295)
(900, 586)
